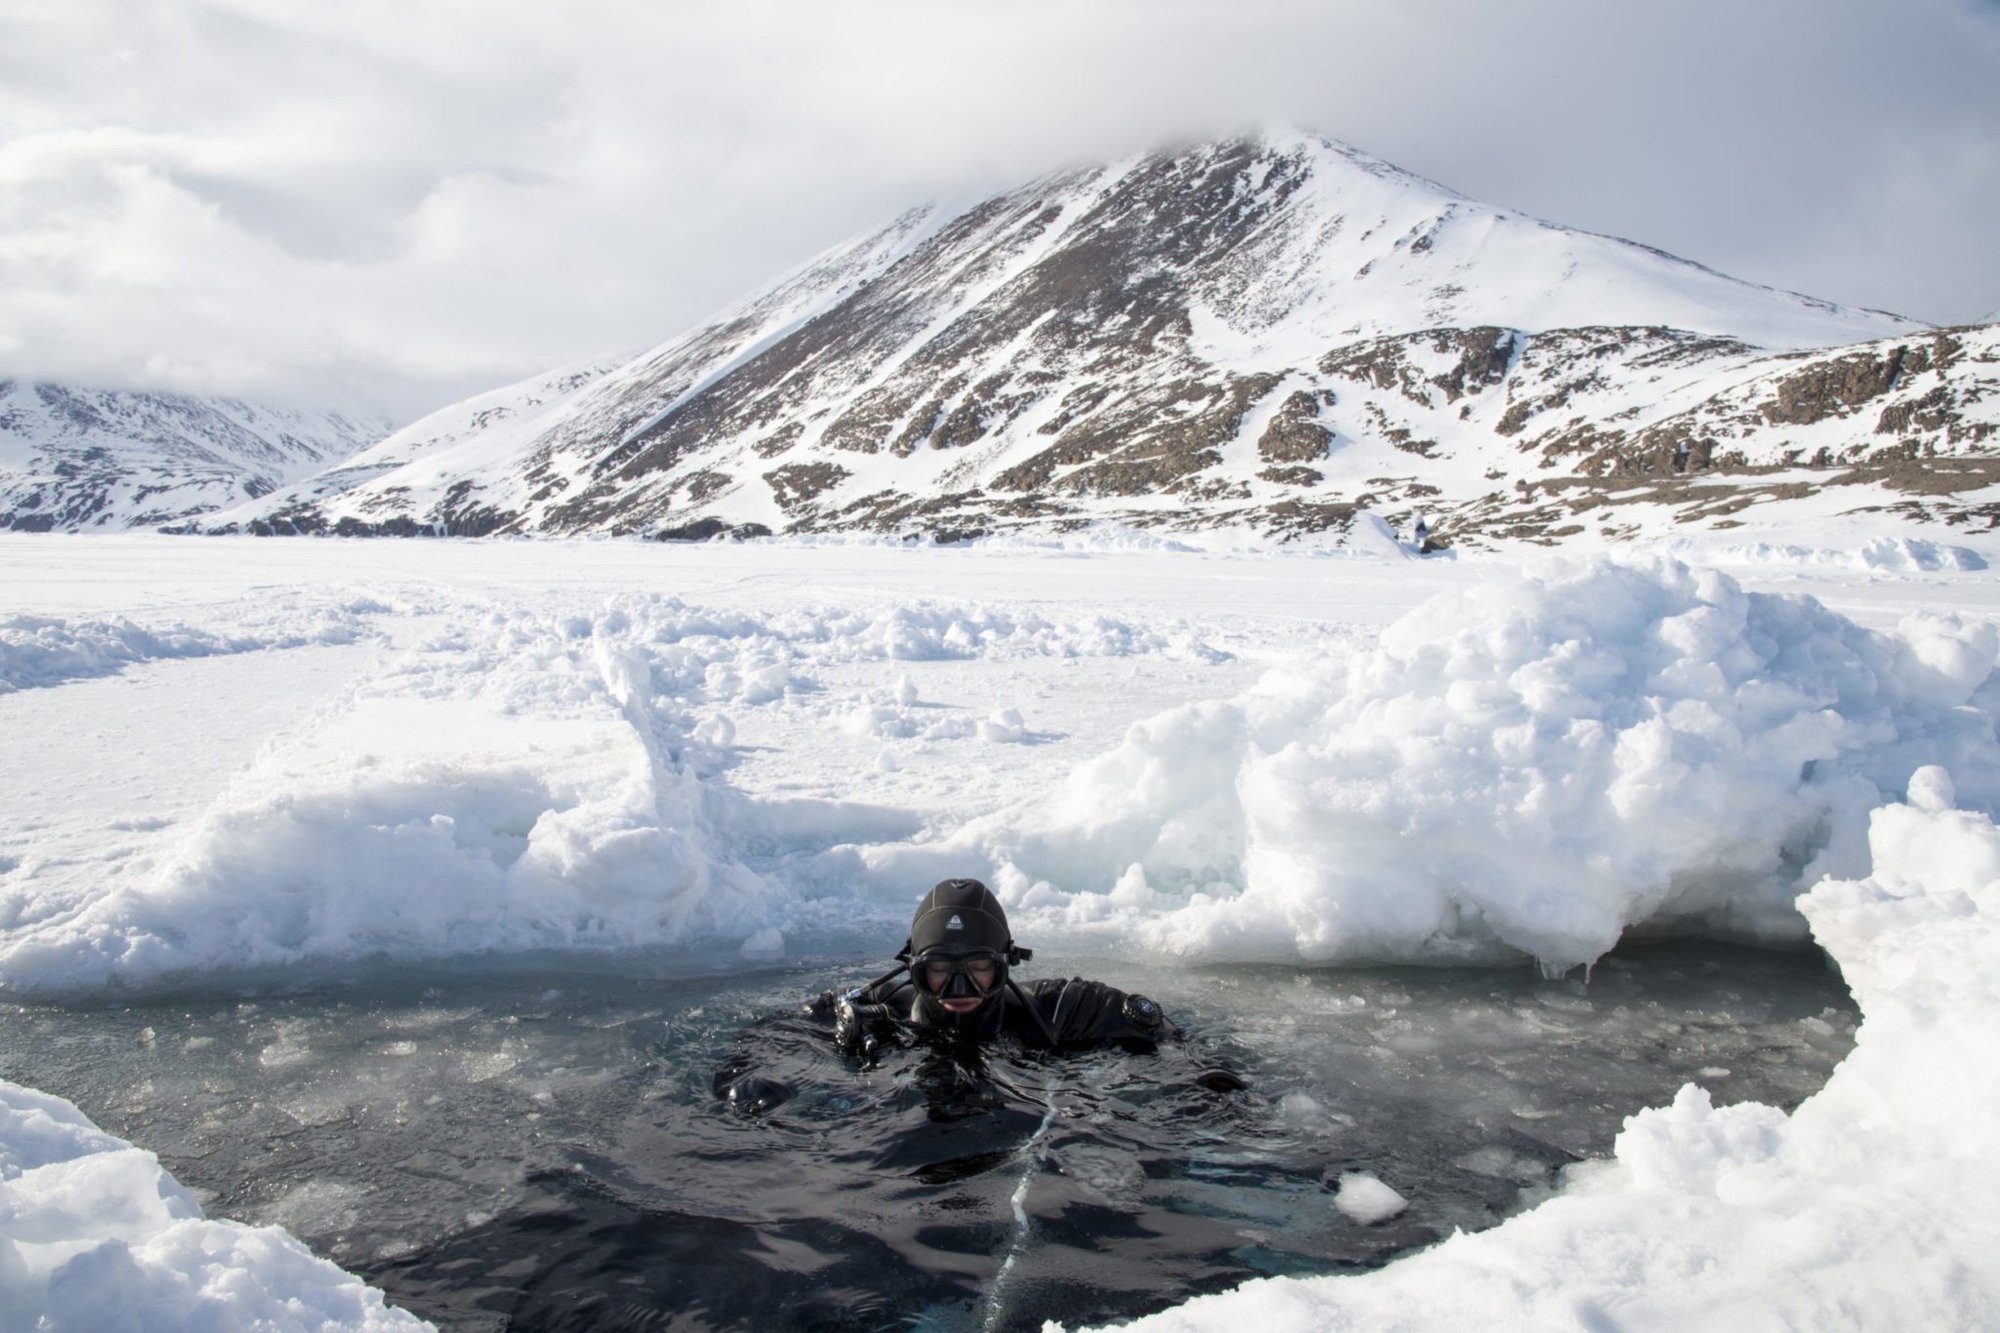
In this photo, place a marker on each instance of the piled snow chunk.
(928, 632)
(1004, 727)
(525, 789)
(527, 780)
(94, 1234)
(1536, 764)
(1366, 1199)
(1869, 1207)
(42, 650)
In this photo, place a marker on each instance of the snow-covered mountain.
(1272, 332)
(435, 452)
(75, 458)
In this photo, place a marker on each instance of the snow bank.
(1531, 766)
(95, 1235)
(531, 781)
(1883, 553)
(1536, 764)
(1870, 1207)
(47, 650)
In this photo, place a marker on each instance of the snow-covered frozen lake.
(301, 835)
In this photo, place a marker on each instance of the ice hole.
(537, 1140)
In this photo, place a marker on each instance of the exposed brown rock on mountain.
(1272, 333)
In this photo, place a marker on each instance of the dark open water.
(536, 1145)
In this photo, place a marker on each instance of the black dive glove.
(858, 1029)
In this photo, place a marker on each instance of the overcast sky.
(400, 202)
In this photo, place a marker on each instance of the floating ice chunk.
(1504, 1164)
(1301, 1108)
(1367, 1200)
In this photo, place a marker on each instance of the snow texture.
(1533, 765)
(47, 650)
(1537, 763)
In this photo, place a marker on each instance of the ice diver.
(953, 985)
(954, 977)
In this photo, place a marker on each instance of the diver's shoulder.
(1048, 988)
(1081, 1009)
(1078, 986)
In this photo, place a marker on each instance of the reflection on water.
(540, 1148)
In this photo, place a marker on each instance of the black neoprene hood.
(960, 914)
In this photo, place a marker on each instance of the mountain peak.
(1273, 329)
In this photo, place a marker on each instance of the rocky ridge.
(1272, 333)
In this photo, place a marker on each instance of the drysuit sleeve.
(1089, 1013)
(863, 1019)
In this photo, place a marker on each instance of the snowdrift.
(1896, 554)
(523, 782)
(1531, 766)
(38, 651)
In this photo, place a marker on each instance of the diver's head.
(959, 951)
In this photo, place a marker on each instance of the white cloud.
(415, 202)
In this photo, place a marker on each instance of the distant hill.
(76, 458)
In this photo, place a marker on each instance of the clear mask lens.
(949, 976)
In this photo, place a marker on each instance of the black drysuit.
(1078, 1014)
(1072, 1012)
